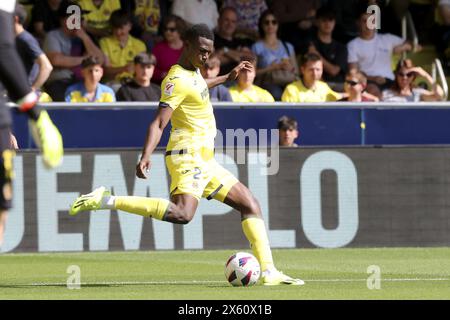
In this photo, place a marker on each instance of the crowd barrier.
(122, 124)
(311, 197)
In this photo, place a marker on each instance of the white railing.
(438, 70)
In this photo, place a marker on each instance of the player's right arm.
(154, 133)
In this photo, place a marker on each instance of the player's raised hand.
(142, 168)
(243, 66)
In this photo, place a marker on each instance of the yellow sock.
(147, 207)
(255, 231)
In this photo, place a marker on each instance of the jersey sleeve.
(332, 95)
(173, 92)
(289, 94)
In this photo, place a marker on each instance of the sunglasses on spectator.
(273, 22)
(171, 29)
(351, 82)
(403, 75)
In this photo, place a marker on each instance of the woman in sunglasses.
(404, 89)
(273, 54)
(168, 51)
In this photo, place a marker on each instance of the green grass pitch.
(406, 273)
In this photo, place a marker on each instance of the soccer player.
(190, 156)
(45, 133)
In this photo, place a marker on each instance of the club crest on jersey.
(168, 89)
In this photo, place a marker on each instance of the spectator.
(403, 89)
(346, 19)
(372, 54)
(97, 15)
(309, 88)
(36, 63)
(148, 14)
(66, 48)
(44, 18)
(140, 88)
(355, 84)
(332, 53)
(273, 54)
(230, 49)
(211, 69)
(248, 12)
(168, 51)
(288, 131)
(245, 91)
(296, 21)
(120, 48)
(90, 89)
(197, 11)
(441, 32)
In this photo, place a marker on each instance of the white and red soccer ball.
(242, 269)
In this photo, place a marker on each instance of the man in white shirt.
(372, 53)
(197, 11)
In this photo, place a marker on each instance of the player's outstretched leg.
(180, 210)
(241, 199)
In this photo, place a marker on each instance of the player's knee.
(182, 215)
(251, 206)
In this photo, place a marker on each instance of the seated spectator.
(197, 11)
(229, 48)
(296, 21)
(36, 63)
(168, 51)
(148, 14)
(346, 19)
(355, 84)
(403, 89)
(140, 88)
(120, 48)
(96, 18)
(441, 32)
(248, 13)
(372, 54)
(309, 88)
(245, 91)
(66, 48)
(44, 18)
(90, 89)
(211, 69)
(332, 53)
(273, 54)
(288, 131)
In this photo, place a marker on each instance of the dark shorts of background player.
(6, 170)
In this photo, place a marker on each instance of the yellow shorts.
(198, 174)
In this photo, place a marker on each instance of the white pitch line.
(219, 282)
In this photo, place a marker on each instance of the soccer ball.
(242, 269)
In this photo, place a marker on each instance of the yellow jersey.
(98, 18)
(252, 94)
(297, 92)
(119, 57)
(193, 122)
(149, 14)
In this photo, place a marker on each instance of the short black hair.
(64, 6)
(286, 123)
(198, 30)
(326, 13)
(20, 13)
(90, 61)
(119, 18)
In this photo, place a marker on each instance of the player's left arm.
(244, 65)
